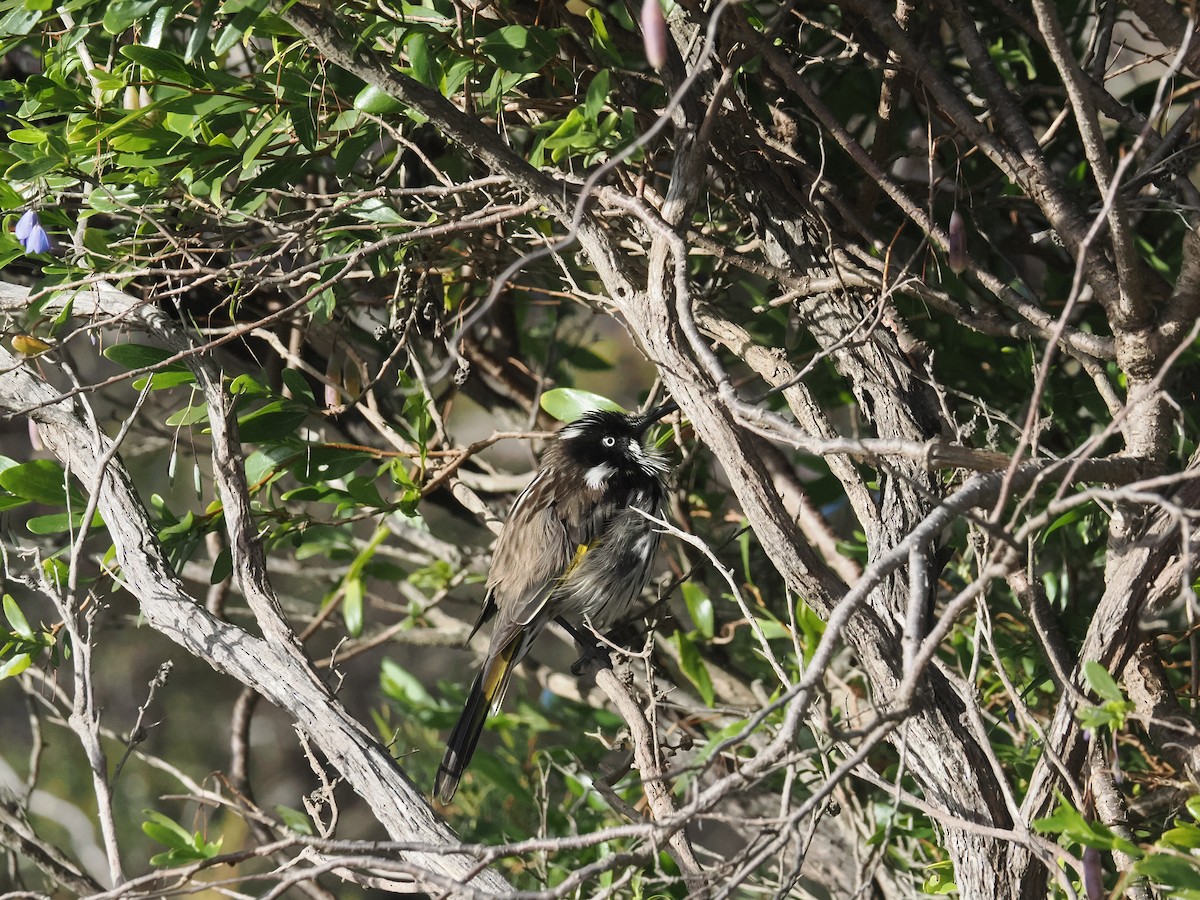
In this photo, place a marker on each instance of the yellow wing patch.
(580, 552)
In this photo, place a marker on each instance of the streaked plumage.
(574, 546)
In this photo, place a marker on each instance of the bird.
(577, 547)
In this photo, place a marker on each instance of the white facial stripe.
(570, 432)
(598, 475)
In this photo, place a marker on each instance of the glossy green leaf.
(164, 379)
(120, 15)
(15, 665)
(16, 619)
(517, 48)
(60, 523)
(568, 404)
(19, 20)
(166, 831)
(41, 481)
(375, 101)
(272, 422)
(189, 415)
(140, 356)
(700, 609)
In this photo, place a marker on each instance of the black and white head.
(603, 444)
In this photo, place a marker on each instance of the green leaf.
(40, 481)
(138, 356)
(294, 820)
(422, 63)
(58, 523)
(516, 48)
(9, 502)
(1100, 681)
(222, 567)
(1183, 836)
(272, 422)
(20, 21)
(317, 464)
(16, 618)
(700, 608)
(404, 687)
(375, 101)
(1193, 806)
(1070, 824)
(1170, 871)
(165, 378)
(247, 384)
(692, 665)
(299, 386)
(378, 212)
(241, 25)
(352, 606)
(166, 831)
(198, 39)
(15, 666)
(568, 404)
(597, 96)
(265, 135)
(56, 570)
(165, 65)
(1065, 519)
(185, 846)
(120, 15)
(189, 415)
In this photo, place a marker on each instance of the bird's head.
(604, 443)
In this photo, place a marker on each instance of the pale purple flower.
(25, 225)
(32, 235)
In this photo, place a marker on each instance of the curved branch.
(276, 671)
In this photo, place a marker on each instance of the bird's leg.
(592, 654)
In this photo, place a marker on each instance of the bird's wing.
(533, 553)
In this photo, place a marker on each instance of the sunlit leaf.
(568, 404)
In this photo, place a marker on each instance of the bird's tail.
(486, 694)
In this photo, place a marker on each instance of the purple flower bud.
(958, 243)
(654, 33)
(1093, 874)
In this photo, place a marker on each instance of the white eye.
(608, 441)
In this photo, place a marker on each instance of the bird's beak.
(655, 414)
